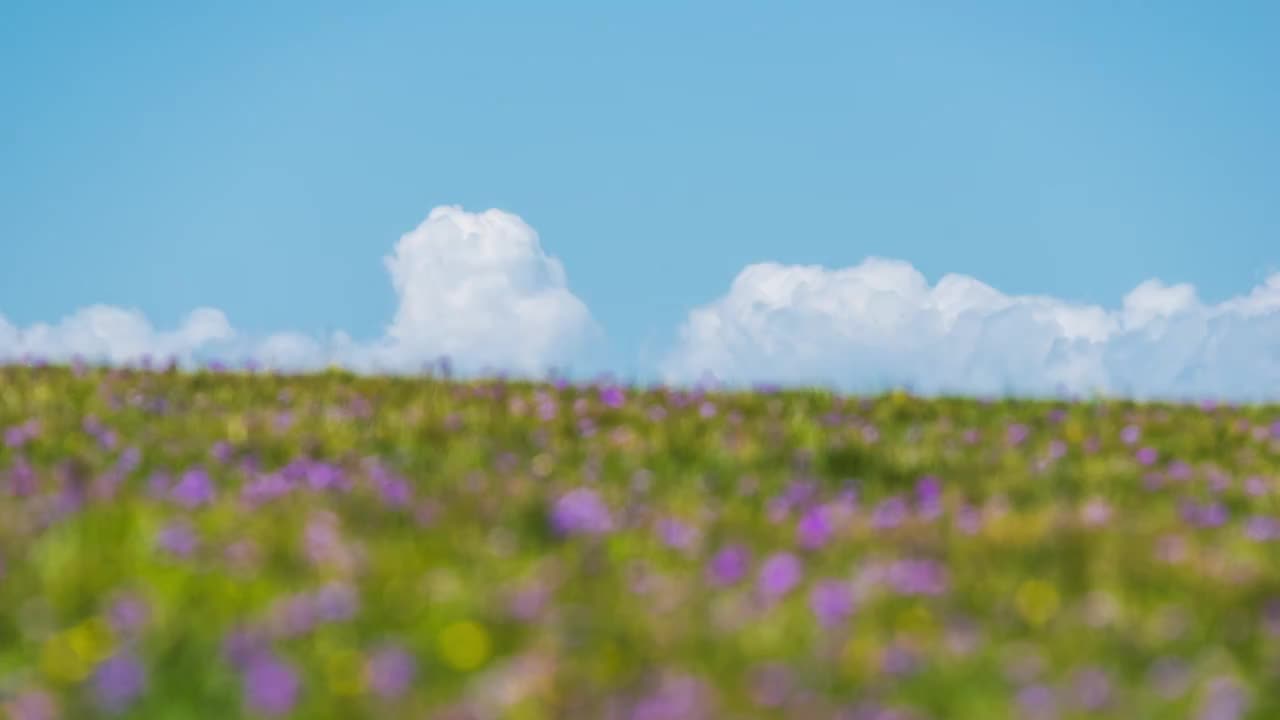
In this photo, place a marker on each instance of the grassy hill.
(329, 546)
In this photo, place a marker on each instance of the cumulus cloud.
(478, 287)
(474, 287)
(115, 335)
(881, 324)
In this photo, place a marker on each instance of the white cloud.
(476, 287)
(115, 335)
(881, 324)
(480, 289)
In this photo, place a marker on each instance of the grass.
(231, 545)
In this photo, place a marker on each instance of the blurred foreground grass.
(234, 545)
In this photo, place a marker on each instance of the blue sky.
(264, 158)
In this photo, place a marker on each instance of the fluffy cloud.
(478, 288)
(475, 287)
(882, 324)
(114, 335)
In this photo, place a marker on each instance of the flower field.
(232, 544)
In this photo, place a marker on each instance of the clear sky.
(263, 158)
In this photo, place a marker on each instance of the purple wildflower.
(323, 476)
(241, 646)
(1211, 515)
(800, 492)
(917, 577)
(390, 671)
(1179, 470)
(676, 698)
(194, 489)
(1271, 618)
(889, 513)
(1168, 677)
(1130, 434)
(322, 541)
(771, 683)
(968, 520)
(1224, 699)
(777, 509)
(335, 602)
(270, 686)
(105, 485)
(929, 496)
(118, 681)
(1262, 528)
(108, 439)
(221, 451)
(293, 616)
(15, 437)
(527, 604)
(581, 511)
(242, 555)
(613, 396)
(814, 529)
(1096, 512)
(128, 613)
(177, 539)
(831, 602)
(1172, 549)
(1092, 688)
(1147, 456)
(1037, 702)
(32, 705)
(1256, 486)
(394, 490)
(677, 534)
(897, 660)
(547, 409)
(129, 460)
(729, 565)
(19, 435)
(22, 478)
(158, 485)
(779, 574)
(1016, 434)
(265, 488)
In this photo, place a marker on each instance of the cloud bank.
(479, 289)
(114, 335)
(474, 287)
(880, 324)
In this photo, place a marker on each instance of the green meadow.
(233, 544)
